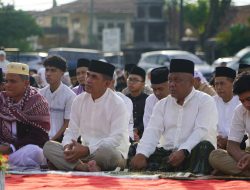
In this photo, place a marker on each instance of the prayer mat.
(76, 182)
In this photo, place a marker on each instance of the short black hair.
(56, 61)
(242, 83)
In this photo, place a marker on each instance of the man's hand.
(138, 162)
(75, 151)
(222, 142)
(136, 137)
(244, 162)
(176, 158)
(5, 149)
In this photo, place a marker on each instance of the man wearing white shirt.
(186, 123)
(159, 84)
(225, 101)
(236, 161)
(59, 96)
(3, 61)
(100, 117)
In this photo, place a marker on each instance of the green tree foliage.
(196, 15)
(16, 27)
(236, 38)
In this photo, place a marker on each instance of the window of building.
(100, 28)
(155, 12)
(110, 25)
(141, 13)
(140, 32)
(76, 24)
(156, 32)
(122, 29)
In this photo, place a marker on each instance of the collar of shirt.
(57, 90)
(102, 98)
(187, 98)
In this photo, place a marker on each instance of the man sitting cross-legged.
(100, 117)
(185, 124)
(235, 161)
(24, 119)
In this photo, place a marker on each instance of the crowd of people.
(175, 121)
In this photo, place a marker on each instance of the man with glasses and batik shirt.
(136, 83)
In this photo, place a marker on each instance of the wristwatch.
(186, 153)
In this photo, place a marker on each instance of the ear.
(108, 83)
(192, 81)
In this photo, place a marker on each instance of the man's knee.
(216, 156)
(108, 158)
(48, 148)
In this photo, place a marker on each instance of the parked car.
(242, 57)
(73, 54)
(33, 59)
(115, 59)
(155, 59)
(222, 62)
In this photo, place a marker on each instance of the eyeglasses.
(132, 80)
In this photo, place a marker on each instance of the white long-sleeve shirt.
(240, 124)
(225, 113)
(103, 122)
(181, 126)
(129, 106)
(149, 106)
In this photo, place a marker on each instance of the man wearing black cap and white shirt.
(100, 117)
(236, 161)
(136, 82)
(225, 101)
(159, 84)
(186, 123)
(81, 73)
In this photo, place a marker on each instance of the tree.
(196, 15)
(236, 38)
(16, 27)
(217, 11)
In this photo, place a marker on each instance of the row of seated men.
(177, 128)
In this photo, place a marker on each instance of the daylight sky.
(46, 4)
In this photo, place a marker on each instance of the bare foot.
(82, 167)
(93, 167)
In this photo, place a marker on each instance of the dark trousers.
(196, 162)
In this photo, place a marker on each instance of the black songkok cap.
(129, 67)
(138, 71)
(83, 63)
(181, 66)
(72, 73)
(243, 66)
(1, 75)
(225, 72)
(159, 75)
(102, 67)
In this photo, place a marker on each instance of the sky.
(39, 5)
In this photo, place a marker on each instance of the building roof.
(100, 6)
(236, 15)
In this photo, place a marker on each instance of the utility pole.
(90, 27)
(181, 22)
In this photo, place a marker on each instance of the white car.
(242, 57)
(155, 59)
